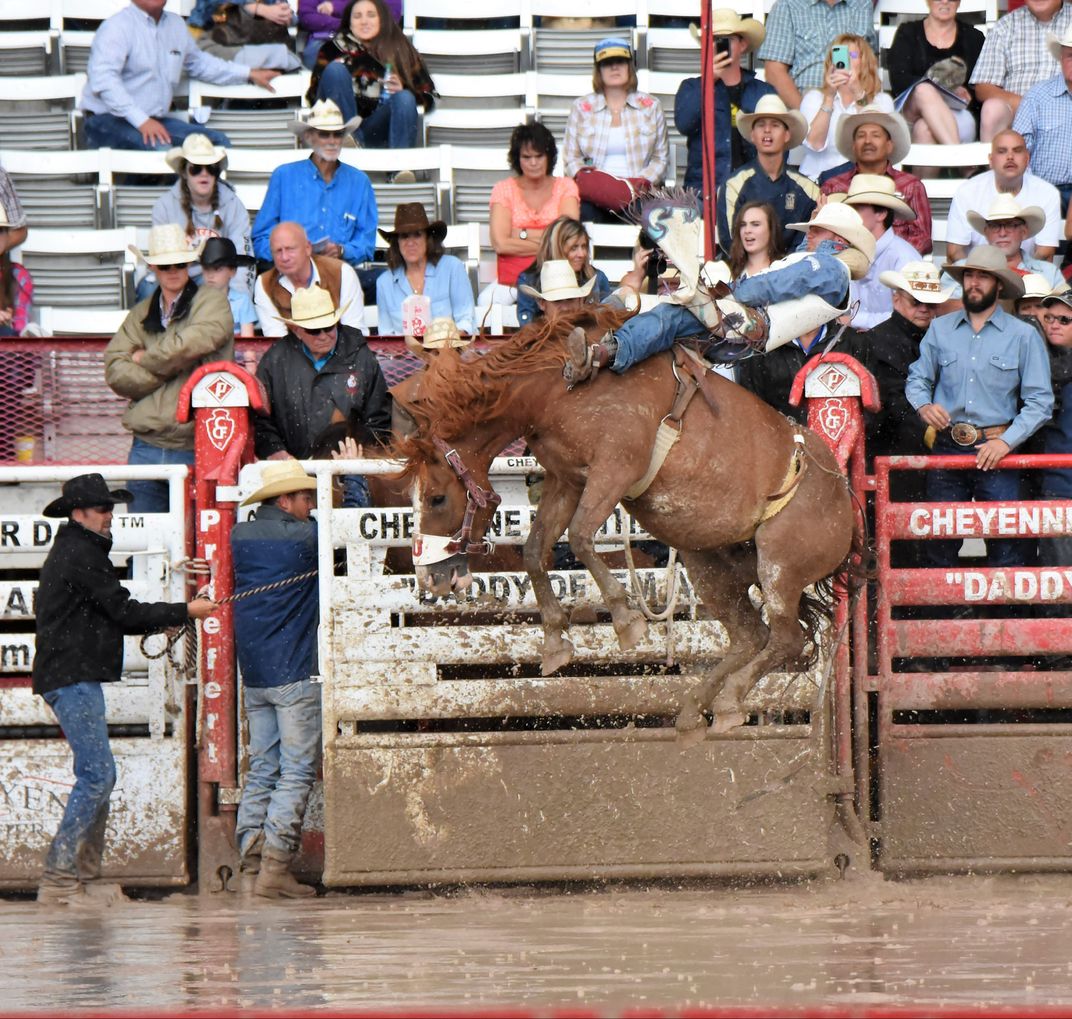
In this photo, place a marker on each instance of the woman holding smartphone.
(850, 82)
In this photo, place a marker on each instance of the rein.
(477, 497)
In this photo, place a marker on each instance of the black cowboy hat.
(411, 217)
(219, 251)
(82, 491)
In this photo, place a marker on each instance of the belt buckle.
(965, 434)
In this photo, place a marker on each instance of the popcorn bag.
(416, 314)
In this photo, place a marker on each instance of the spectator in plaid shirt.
(14, 217)
(1016, 57)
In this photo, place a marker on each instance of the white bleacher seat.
(371, 316)
(380, 164)
(36, 113)
(456, 15)
(80, 321)
(80, 268)
(251, 127)
(473, 127)
(27, 53)
(482, 91)
(255, 166)
(463, 51)
(552, 95)
(476, 171)
(961, 156)
(57, 189)
(569, 50)
(251, 196)
(671, 50)
(125, 202)
(663, 85)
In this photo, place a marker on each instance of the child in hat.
(219, 265)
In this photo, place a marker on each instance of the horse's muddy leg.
(556, 506)
(721, 577)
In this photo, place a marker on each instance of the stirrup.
(582, 362)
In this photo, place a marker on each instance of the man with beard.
(981, 382)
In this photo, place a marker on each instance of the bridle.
(476, 497)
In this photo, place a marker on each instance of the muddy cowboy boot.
(727, 318)
(275, 880)
(584, 359)
(249, 865)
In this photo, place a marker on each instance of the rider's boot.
(584, 359)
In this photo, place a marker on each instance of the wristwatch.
(523, 234)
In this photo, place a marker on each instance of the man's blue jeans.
(77, 848)
(284, 752)
(105, 131)
(392, 125)
(152, 496)
(653, 332)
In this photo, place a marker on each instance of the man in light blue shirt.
(982, 383)
(334, 202)
(136, 61)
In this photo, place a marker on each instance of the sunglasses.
(176, 267)
(318, 331)
(329, 134)
(213, 169)
(1064, 320)
(412, 235)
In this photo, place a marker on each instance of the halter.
(476, 497)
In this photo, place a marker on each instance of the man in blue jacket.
(275, 636)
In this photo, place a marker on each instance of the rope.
(666, 614)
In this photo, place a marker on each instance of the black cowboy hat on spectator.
(83, 491)
(410, 218)
(220, 251)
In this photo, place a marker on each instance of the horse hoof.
(632, 631)
(552, 661)
(691, 729)
(727, 720)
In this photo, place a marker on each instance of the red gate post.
(219, 397)
(838, 390)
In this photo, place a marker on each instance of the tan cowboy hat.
(443, 332)
(1055, 43)
(772, 106)
(196, 150)
(728, 22)
(411, 217)
(921, 280)
(1006, 207)
(313, 308)
(892, 123)
(987, 258)
(324, 116)
(845, 221)
(558, 282)
(168, 245)
(875, 189)
(281, 477)
(1036, 285)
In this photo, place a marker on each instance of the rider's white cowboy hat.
(313, 308)
(1055, 43)
(558, 282)
(875, 189)
(443, 332)
(168, 245)
(281, 477)
(921, 280)
(324, 116)
(845, 221)
(728, 22)
(987, 258)
(772, 106)
(196, 150)
(1036, 285)
(892, 123)
(1006, 207)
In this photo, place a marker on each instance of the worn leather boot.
(584, 359)
(275, 880)
(741, 322)
(249, 866)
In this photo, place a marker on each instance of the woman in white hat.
(846, 89)
(203, 203)
(566, 239)
(164, 337)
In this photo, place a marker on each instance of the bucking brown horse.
(746, 496)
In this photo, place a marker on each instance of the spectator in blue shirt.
(334, 202)
(982, 384)
(137, 58)
(219, 265)
(737, 91)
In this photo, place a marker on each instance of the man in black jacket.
(321, 372)
(82, 615)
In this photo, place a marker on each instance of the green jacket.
(205, 333)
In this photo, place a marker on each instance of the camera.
(722, 45)
(657, 264)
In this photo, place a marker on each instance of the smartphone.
(839, 58)
(722, 45)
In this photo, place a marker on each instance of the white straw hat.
(324, 116)
(725, 21)
(281, 477)
(921, 280)
(892, 123)
(1036, 285)
(313, 308)
(443, 332)
(772, 106)
(875, 189)
(558, 282)
(168, 245)
(1006, 207)
(845, 221)
(1055, 43)
(196, 150)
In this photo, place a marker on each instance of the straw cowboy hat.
(987, 258)
(921, 280)
(196, 150)
(313, 308)
(324, 116)
(1056, 43)
(168, 245)
(1005, 207)
(443, 332)
(411, 217)
(875, 189)
(772, 106)
(892, 123)
(558, 282)
(82, 491)
(281, 477)
(727, 22)
(1036, 285)
(845, 221)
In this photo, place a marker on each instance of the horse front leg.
(557, 505)
(630, 626)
